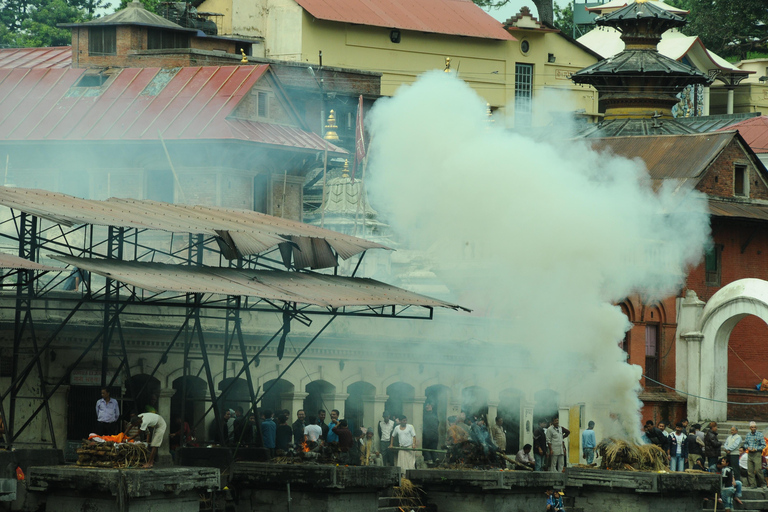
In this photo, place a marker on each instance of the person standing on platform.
(406, 438)
(156, 422)
(754, 444)
(107, 415)
(588, 442)
(386, 426)
(429, 434)
(731, 447)
(298, 427)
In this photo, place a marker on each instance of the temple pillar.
(164, 409)
(335, 401)
(294, 402)
(526, 423)
(705, 106)
(729, 108)
(493, 411)
(59, 407)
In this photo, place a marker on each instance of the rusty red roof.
(59, 57)
(454, 17)
(754, 131)
(138, 104)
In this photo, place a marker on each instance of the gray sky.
(512, 8)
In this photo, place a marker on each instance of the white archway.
(713, 329)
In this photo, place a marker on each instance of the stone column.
(493, 411)
(729, 109)
(693, 341)
(689, 309)
(59, 407)
(164, 409)
(705, 106)
(379, 401)
(414, 410)
(296, 402)
(526, 423)
(335, 401)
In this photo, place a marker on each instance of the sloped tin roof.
(50, 57)
(304, 288)
(453, 17)
(681, 157)
(189, 103)
(133, 14)
(754, 131)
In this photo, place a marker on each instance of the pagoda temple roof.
(639, 11)
(634, 62)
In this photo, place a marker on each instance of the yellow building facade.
(491, 65)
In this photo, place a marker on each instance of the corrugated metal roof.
(59, 57)
(716, 122)
(14, 262)
(754, 131)
(634, 127)
(242, 232)
(720, 208)
(454, 17)
(137, 103)
(669, 156)
(305, 288)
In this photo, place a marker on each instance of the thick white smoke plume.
(539, 238)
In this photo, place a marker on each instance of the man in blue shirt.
(754, 444)
(268, 432)
(332, 437)
(107, 415)
(588, 442)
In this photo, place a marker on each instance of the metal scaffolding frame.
(35, 236)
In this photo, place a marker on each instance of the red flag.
(359, 138)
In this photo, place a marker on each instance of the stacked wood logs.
(112, 455)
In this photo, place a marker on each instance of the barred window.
(523, 94)
(158, 39)
(102, 41)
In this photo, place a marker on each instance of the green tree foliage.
(492, 4)
(150, 5)
(26, 23)
(564, 18)
(730, 28)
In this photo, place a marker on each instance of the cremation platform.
(319, 488)
(73, 489)
(586, 490)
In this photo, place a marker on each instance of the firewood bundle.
(112, 455)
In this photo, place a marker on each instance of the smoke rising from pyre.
(540, 237)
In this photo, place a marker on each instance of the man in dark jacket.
(695, 447)
(540, 445)
(298, 428)
(656, 436)
(712, 445)
(430, 434)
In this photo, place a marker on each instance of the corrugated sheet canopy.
(754, 131)
(738, 210)
(239, 232)
(300, 287)
(14, 262)
(453, 17)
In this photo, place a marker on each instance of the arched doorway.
(358, 408)
(316, 391)
(400, 394)
(719, 318)
(142, 395)
(546, 406)
(190, 396)
(474, 402)
(275, 399)
(509, 410)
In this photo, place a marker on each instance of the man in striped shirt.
(754, 444)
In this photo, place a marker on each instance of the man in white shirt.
(386, 426)
(313, 432)
(155, 438)
(731, 448)
(406, 438)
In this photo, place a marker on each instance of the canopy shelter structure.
(186, 265)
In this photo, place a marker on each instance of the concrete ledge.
(131, 483)
(259, 475)
(488, 480)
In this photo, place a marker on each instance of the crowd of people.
(736, 460)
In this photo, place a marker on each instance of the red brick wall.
(748, 412)
(718, 180)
